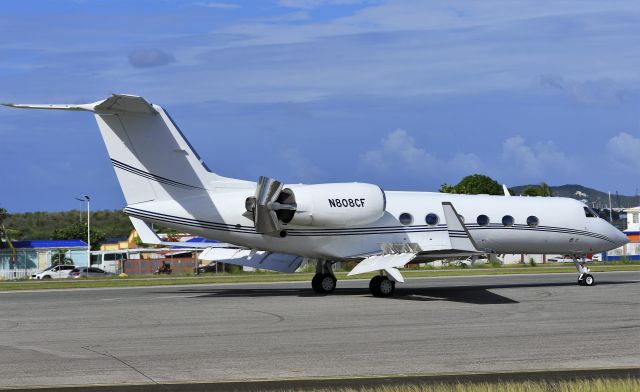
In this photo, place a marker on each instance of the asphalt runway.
(272, 331)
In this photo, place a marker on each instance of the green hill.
(40, 225)
(593, 197)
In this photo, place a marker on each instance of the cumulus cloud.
(537, 161)
(311, 4)
(624, 150)
(221, 6)
(598, 92)
(301, 167)
(399, 150)
(147, 58)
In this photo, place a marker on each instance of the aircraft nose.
(621, 238)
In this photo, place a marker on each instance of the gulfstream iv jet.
(275, 226)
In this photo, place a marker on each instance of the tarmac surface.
(274, 331)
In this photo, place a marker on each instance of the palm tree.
(3, 232)
(545, 190)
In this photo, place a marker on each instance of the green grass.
(250, 277)
(596, 385)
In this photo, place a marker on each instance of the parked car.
(211, 267)
(54, 272)
(92, 273)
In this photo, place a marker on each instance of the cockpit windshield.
(590, 213)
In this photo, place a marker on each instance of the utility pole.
(88, 200)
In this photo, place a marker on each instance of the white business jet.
(274, 226)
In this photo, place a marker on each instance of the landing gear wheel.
(381, 286)
(587, 280)
(323, 283)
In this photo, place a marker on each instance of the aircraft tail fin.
(151, 157)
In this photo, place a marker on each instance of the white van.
(108, 260)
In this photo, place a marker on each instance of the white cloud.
(148, 58)
(221, 6)
(600, 91)
(311, 4)
(539, 161)
(301, 167)
(624, 150)
(399, 152)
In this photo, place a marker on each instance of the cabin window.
(432, 219)
(482, 220)
(507, 220)
(532, 221)
(589, 213)
(406, 218)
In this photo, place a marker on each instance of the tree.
(79, 231)
(59, 257)
(446, 188)
(4, 234)
(543, 189)
(474, 185)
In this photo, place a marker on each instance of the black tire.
(46, 277)
(315, 283)
(374, 286)
(387, 287)
(588, 280)
(328, 283)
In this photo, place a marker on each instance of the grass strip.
(257, 277)
(588, 385)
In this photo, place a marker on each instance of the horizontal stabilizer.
(263, 260)
(115, 103)
(388, 263)
(145, 233)
(148, 236)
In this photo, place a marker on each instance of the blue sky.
(403, 94)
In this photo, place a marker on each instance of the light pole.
(88, 200)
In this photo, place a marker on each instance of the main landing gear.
(585, 278)
(324, 281)
(382, 286)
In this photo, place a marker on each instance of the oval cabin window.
(405, 218)
(482, 220)
(432, 219)
(507, 220)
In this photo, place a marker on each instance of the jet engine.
(320, 205)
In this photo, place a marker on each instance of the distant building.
(120, 243)
(630, 251)
(36, 255)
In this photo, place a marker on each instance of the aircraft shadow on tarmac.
(476, 294)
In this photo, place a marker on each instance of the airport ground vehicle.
(54, 272)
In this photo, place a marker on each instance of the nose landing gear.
(585, 278)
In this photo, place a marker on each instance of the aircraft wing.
(257, 259)
(462, 244)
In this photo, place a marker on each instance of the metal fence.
(11, 274)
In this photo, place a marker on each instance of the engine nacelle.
(334, 205)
